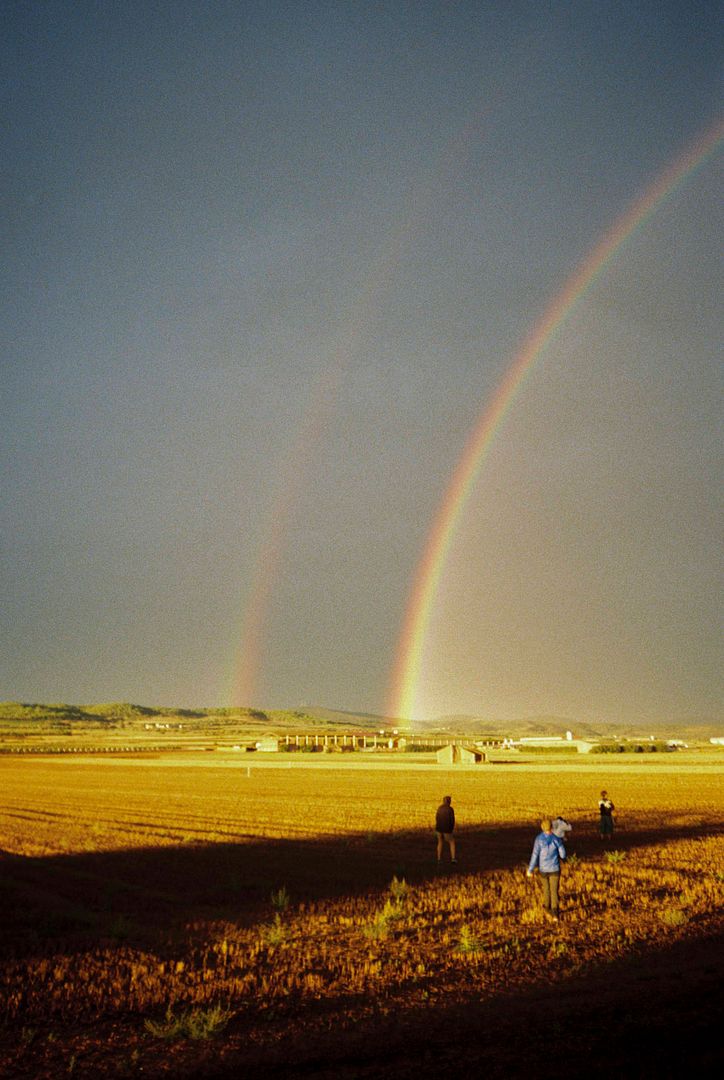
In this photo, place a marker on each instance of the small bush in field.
(170, 1028)
(194, 1024)
(206, 1023)
(276, 933)
(399, 889)
(674, 917)
(280, 899)
(379, 928)
(468, 942)
(615, 856)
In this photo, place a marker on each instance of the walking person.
(548, 853)
(606, 809)
(444, 826)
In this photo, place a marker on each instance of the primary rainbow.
(406, 672)
(242, 685)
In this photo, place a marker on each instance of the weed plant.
(399, 890)
(276, 933)
(280, 899)
(196, 1023)
(468, 942)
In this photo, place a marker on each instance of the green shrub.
(379, 928)
(280, 899)
(193, 1024)
(468, 943)
(276, 932)
(674, 917)
(399, 889)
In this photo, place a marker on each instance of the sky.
(263, 266)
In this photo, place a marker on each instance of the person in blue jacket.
(548, 854)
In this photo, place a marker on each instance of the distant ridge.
(698, 727)
(309, 716)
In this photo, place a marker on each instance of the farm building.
(550, 742)
(460, 755)
(269, 744)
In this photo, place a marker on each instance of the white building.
(460, 755)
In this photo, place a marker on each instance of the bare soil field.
(204, 915)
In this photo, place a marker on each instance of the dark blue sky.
(263, 266)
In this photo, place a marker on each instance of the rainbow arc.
(406, 674)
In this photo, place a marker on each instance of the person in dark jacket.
(548, 854)
(444, 825)
(606, 809)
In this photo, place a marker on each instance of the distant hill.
(308, 717)
(55, 717)
(531, 726)
(347, 718)
(111, 712)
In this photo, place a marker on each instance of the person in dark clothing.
(548, 854)
(606, 809)
(444, 825)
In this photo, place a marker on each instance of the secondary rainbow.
(242, 686)
(406, 672)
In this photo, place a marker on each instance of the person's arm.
(533, 858)
(561, 850)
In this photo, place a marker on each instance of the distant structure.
(541, 740)
(269, 744)
(551, 741)
(460, 755)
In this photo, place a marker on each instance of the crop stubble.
(141, 889)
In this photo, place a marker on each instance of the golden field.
(195, 915)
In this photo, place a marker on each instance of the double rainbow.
(426, 583)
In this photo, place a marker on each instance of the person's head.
(604, 794)
(447, 799)
(546, 824)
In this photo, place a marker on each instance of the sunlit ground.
(192, 917)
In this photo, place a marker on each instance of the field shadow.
(146, 897)
(650, 1016)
